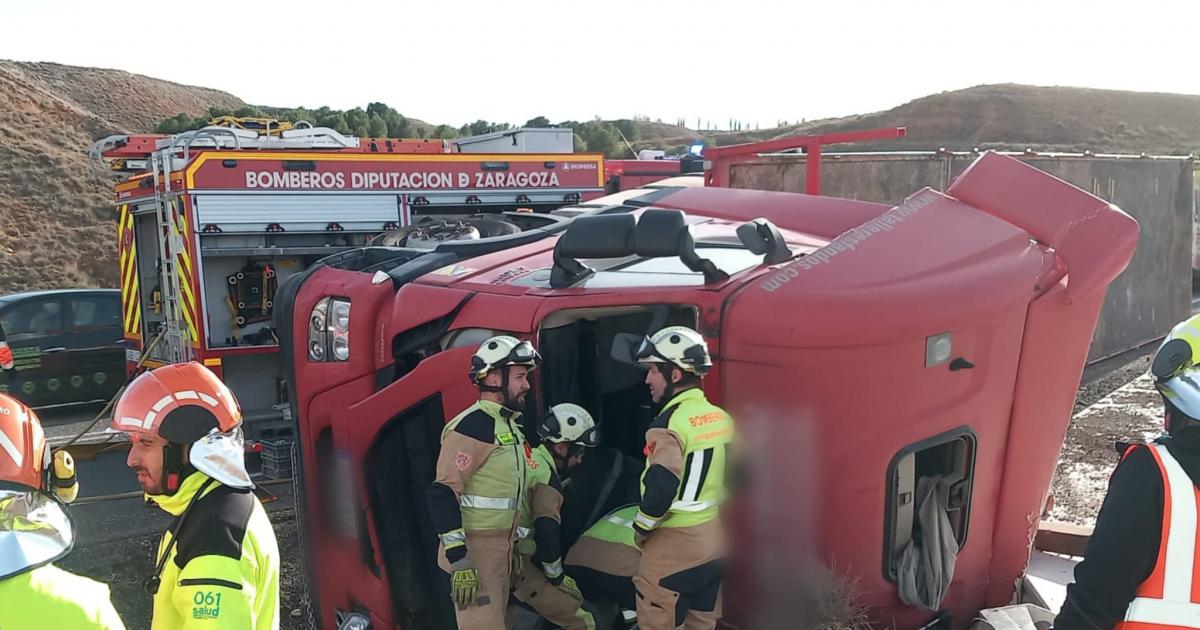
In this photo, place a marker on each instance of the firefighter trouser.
(678, 582)
(491, 552)
(554, 604)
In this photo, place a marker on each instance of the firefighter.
(541, 583)
(1139, 571)
(35, 531)
(605, 559)
(482, 477)
(596, 479)
(677, 527)
(218, 564)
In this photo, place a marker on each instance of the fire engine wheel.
(436, 230)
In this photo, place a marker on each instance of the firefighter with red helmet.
(688, 446)
(482, 483)
(1139, 570)
(35, 531)
(218, 564)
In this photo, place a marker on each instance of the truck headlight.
(329, 330)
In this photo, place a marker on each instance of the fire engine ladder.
(176, 342)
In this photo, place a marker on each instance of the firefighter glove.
(568, 586)
(464, 583)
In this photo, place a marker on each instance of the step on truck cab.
(860, 348)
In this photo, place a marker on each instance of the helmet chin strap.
(175, 467)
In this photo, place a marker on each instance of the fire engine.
(861, 349)
(211, 221)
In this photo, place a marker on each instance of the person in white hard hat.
(481, 484)
(1139, 570)
(687, 451)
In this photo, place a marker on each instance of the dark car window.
(95, 312)
(36, 318)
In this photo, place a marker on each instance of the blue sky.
(454, 61)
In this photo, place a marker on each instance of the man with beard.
(482, 479)
(218, 564)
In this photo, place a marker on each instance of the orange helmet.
(24, 456)
(181, 403)
(189, 407)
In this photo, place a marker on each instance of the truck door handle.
(50, 350)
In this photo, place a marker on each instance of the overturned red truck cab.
(860, 348)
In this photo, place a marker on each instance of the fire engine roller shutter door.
(296, 212)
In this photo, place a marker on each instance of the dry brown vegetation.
(55, 205)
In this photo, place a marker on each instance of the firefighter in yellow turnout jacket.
(687, 450)
(482, 481)
(35, 531)
(542, 585)
(218, 563)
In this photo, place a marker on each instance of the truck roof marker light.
(548, 164)
(420, 201)
(211, 228)
(275, 227)
(229, 163)
(390, 226)
(571, 198)
(334, 227)
(522, 198)
(473, 199)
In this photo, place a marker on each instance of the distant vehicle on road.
(66, 345)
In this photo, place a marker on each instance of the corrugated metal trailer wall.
(1142, 304)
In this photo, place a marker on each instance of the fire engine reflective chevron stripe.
(127, 246)
(184, 271)
(1167, 598)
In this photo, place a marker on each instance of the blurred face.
(146, 459)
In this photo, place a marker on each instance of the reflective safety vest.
(492, 495)
(705, 431)
(615, 527)
(540, 466)
(1170, 598)
(48, 597)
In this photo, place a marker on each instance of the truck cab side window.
(35, 319)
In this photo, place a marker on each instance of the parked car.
(66, 345)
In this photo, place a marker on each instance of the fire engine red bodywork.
(820, 359)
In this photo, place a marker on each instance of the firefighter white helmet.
(678, 345)
(499, 352)
(1183, 392)
(569, 423)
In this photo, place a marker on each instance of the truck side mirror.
(761, 237)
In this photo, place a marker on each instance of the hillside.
(55, 205)
(1010, 116)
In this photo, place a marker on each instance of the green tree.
(357, 119)
(378, 109)
(397, 125)
(376, 126)
(445, 131)
(538, 122)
